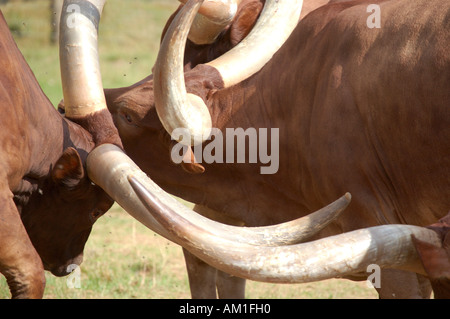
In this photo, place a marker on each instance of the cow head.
(133, 108)
(60, 213)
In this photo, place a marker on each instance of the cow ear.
(68, 170)
(244, 21)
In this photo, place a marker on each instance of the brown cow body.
(48, 203)
(360, 109)
(436, 261)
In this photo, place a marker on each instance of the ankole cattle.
(48, 197)
(359, 108)
(48, 203)
(62, 173)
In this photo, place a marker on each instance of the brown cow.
(48, 203)
(359, 109)
(49, 164)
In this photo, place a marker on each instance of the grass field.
(122, 258)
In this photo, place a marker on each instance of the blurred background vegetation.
(122, 258)
(129, 37)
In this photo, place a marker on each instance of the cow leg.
(230, 287)
(398, 284)
(424, 286)
(19, 261)
(202, 277)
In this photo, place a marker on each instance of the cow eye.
(127, 117)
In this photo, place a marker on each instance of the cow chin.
(66, 268)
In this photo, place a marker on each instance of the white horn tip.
(348, 196)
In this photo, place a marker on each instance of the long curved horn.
(388, 246)
(277, 21)
(287, 233)
(80, 69)
(218, 10)
(110, 168)
(178, 109)
(212, 18)
(84, 99)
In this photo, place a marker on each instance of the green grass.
(122, 258)
(129, 38)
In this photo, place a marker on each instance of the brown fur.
(359, 110)
(102, 128)
(436, 261)
(48, 204)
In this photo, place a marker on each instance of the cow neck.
(45, 132)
